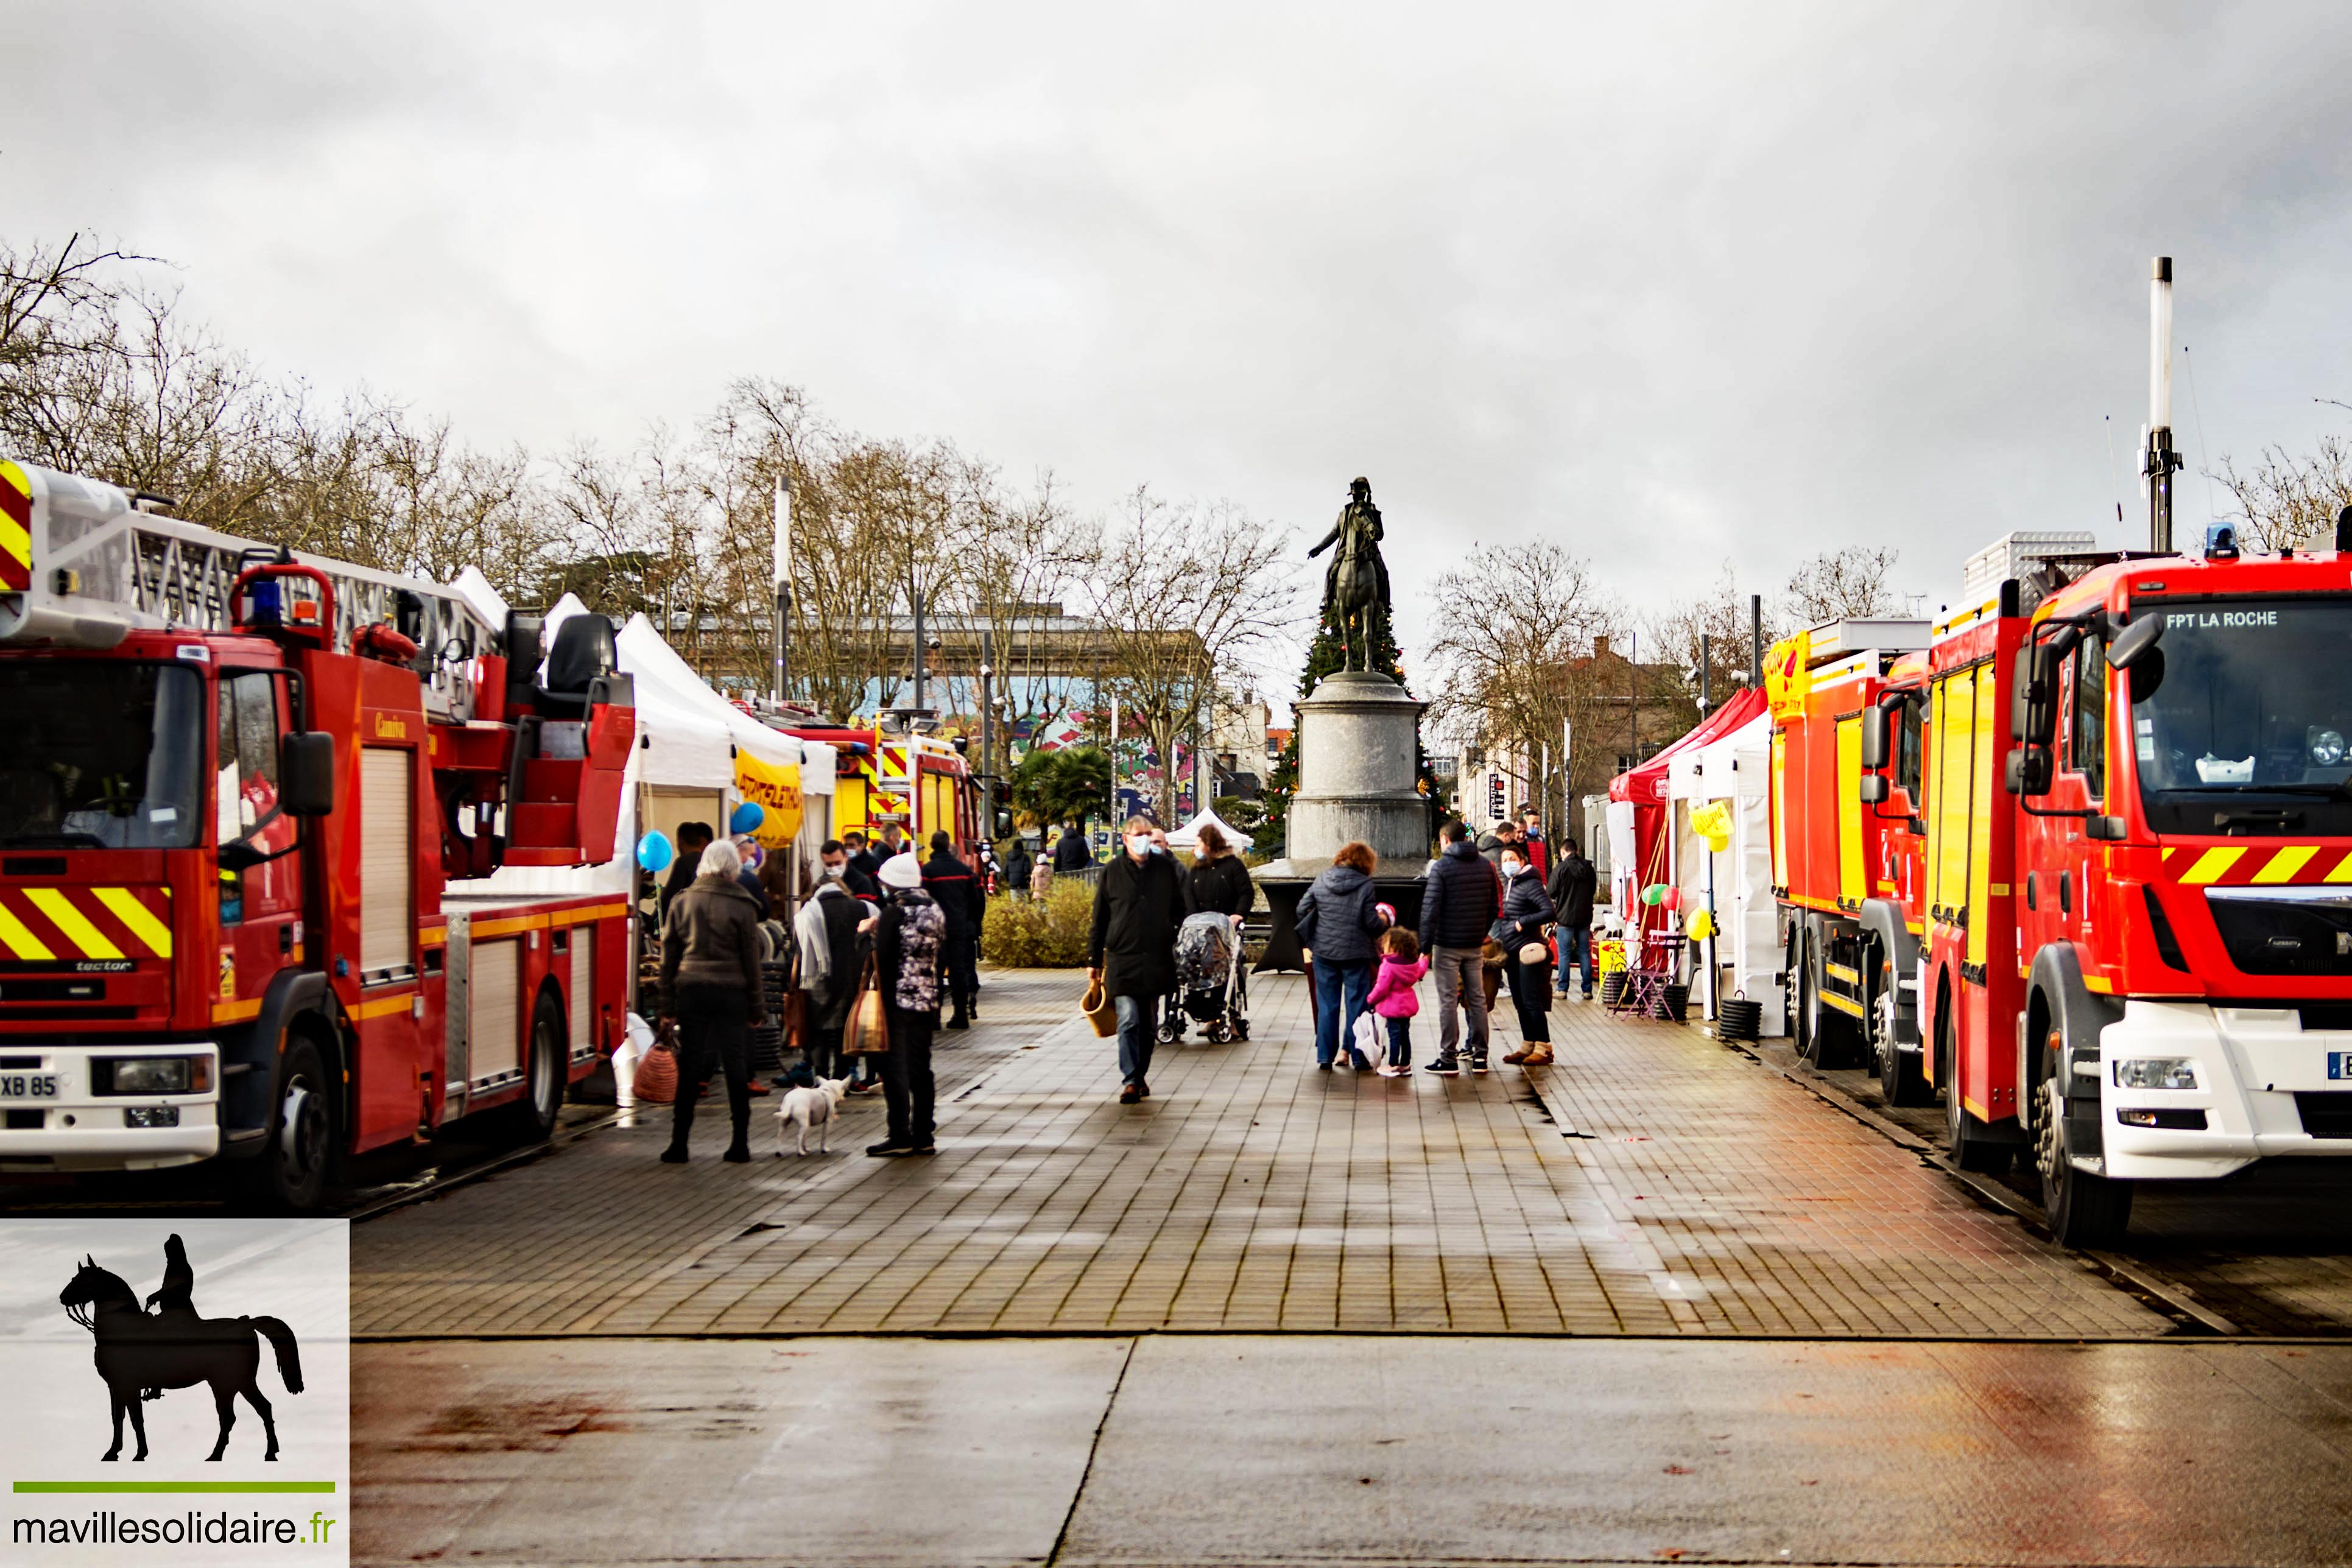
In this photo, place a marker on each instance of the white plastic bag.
(637, 1039)
(1368, 1036)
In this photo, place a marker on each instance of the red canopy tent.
(1645, 786)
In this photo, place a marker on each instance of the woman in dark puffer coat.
(1340, 926)
(1526, 910)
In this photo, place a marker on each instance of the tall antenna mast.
(2160, 461)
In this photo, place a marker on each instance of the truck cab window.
(2087, 734)
(244, 801)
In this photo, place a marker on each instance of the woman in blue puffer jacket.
(1340, 924)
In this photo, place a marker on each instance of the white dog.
(811, 1108)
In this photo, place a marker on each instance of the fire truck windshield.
(2240, 717)
(101, 754)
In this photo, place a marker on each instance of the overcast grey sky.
(1677, 285)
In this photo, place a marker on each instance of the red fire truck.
(247, 805)
(2084, 863)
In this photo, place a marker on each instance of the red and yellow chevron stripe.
(15, 529)
(2258, 865)
(69, 924)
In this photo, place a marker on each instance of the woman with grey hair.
(712, 989)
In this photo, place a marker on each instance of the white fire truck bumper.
(2250, 1065)
(57, 1118)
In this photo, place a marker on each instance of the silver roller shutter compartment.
(583, 990)
(496, 1019)
(387, 858)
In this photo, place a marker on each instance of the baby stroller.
(1210, 987)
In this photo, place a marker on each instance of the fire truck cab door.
(260, 903)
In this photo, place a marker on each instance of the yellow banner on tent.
(778, 792)
(1787, 675)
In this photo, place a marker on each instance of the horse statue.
(175, 1348)
(1357, 579)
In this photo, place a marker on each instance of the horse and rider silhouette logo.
(141, 1352)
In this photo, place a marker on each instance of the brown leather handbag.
(866, 1031)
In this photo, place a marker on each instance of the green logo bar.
(175, 1486)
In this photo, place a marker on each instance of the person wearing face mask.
(1526, 910)
(1138, 905)
(827, 932)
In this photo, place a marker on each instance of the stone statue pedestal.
(1356, 748)
(1357, 744)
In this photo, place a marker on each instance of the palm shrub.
(1047, 932)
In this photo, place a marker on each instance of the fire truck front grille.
(2285, 935)
(2326, 1115)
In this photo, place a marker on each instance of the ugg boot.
(1536, 1055)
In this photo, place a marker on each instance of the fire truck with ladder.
(249, 801)
(2078, 857)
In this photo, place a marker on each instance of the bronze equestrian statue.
(1357, 579)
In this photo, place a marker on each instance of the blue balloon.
(747, 818)
(655, 852)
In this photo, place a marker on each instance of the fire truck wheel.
(1823, 1035)
(1899, 1075)
(291, 1171)
(1971, 1149)
(534, 1114)
(2085, 1211)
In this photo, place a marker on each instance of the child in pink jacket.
(1393, 998)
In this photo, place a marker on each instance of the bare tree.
(2287, 500)
(1724, 619)
(1185, 595)
(1512, 646)
(1845, 583)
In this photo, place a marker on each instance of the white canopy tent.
(1747, 950)
(1188, 836)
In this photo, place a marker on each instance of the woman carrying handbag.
(1526, 964)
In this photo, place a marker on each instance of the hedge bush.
(1034, 934)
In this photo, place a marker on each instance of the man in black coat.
(1070, 851)
(1573, 885)
(957, 891)
(693, 838)
(1138, 905)
(1460, 898)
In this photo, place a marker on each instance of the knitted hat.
(901, 871)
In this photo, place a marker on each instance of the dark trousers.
(714, 1034)
(825, 1060)
(1399, 1041)
(1532, 996)
(1139, 1021)
(906, 1077)
(960, 957)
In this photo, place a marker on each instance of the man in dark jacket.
(1070, 851)
(1459, 902)
(1138, 905)
(863, 863)
(1018, 865)
(693, 838)
(1573, 886)
(954, 888)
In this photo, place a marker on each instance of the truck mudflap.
(2263, 1087)
(65, 1114)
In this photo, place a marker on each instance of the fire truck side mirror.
(306, 773)
(2136, 640)
(1872, 786)
(2029, 770)
(1873, 742)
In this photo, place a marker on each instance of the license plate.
(2339, 1064)
(28, 1085)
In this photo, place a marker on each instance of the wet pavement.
(1663, 1301)
(1351, 1450)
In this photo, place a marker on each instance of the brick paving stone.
(1650, 1182)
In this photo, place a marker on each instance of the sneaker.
(924, 1149)
(872, 1086)
(1445, 1067)
(1386, 1070)
(1129, 1093)
(1478, 1064)
(889, 1151)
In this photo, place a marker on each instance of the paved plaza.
(1652, 1182)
